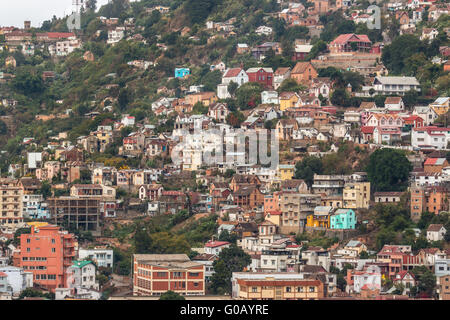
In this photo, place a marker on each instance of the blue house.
(343, 219)
(181, 72)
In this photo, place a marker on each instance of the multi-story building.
(275, 286)
(430, 137)
(103, 257)
(295, 208)
(82, 213)
(350, 42)
(15, 280)
(395, 85)
(428, 198)
(343, 219)
(356, 195)
(34, 206)
(11, 205)
(328, 184)
(47, 252)
(154, 274)
(279, 259)
(320, 218)
(81, 274)
(443, 290)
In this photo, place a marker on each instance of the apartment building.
(328, 184)
(295, 208)
(11, 193)
(154, 274)
(428, 198)
(47, 252)
(356, 195)
(34, 206)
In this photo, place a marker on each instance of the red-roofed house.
(406, 278)
(367, 133)
(343, 43)
(237, 75)
(414, 121)
(433, 165)
(215, 247)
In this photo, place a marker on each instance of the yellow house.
(320, 218)
(286, 171)
(288, 100)
(440, 105)
(105, 137)
(207, 98)
(274, 217)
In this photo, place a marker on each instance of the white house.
(103, 257)
(426, 113)
(215, 247)
(264, 30)
(269, 97)
(430, 137)
(436, 232)
(237, 75)
(18, 279)
(395, 85)
(219, 112)
(128, 120)
(115, 35)
(394, 104)
(82, 275)
(429, 34)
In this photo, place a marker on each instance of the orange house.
(47, 252)
(303, 73)
(436, 199)
(271, 202)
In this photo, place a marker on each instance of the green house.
(343, 219)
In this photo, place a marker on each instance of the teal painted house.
(343, 219)
(181, 72)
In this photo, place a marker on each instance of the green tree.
(426, 280)
(232, 259)
(46, 189)
(290, 85)
(142, 240)
(170, 295)
(306, 169)
(364, 255)
(248, 95)
(388, 170)
(232, 87)
(31, 292)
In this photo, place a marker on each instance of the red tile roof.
(344, 38)
(233, 72)
(215, 244)
(367, 129)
